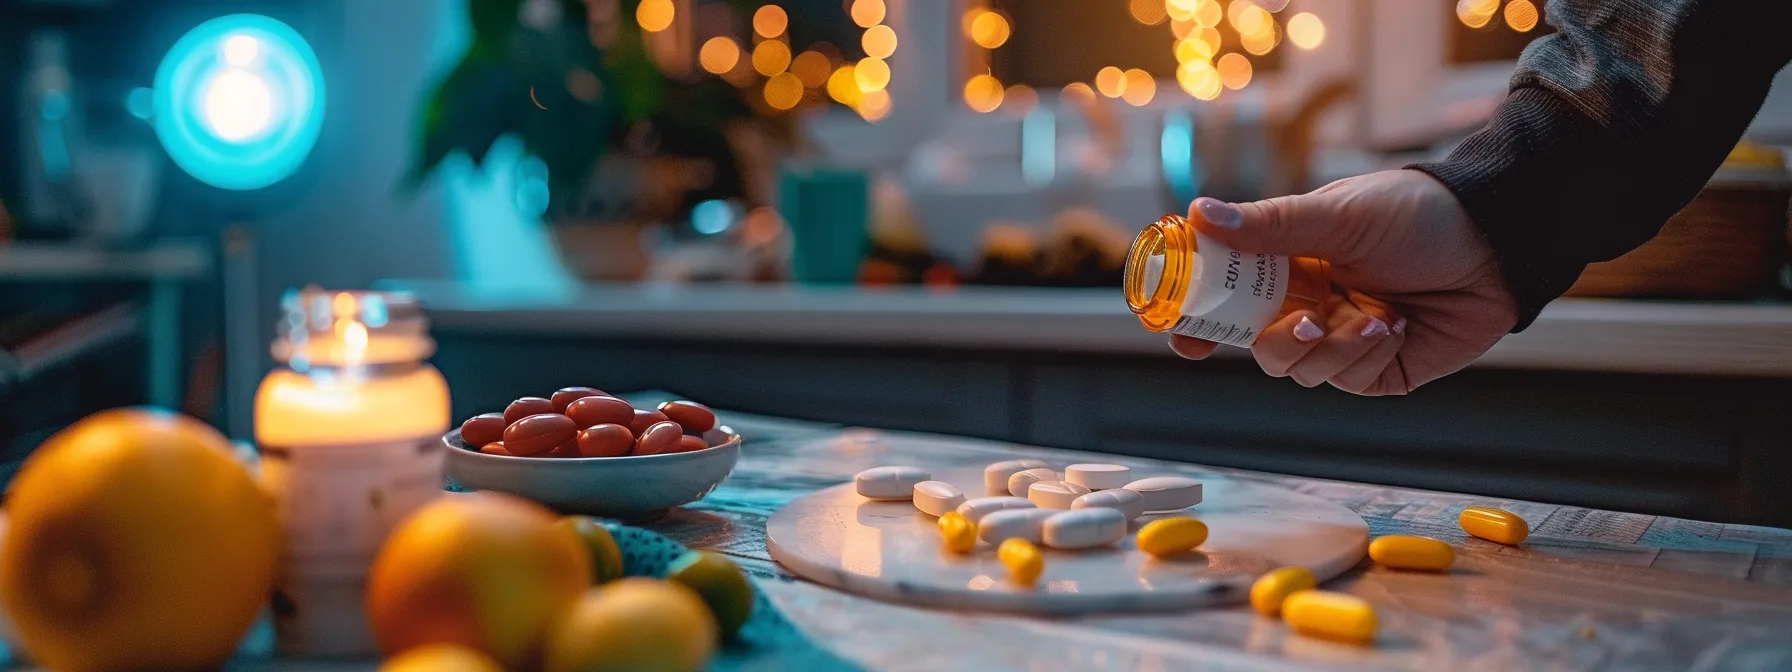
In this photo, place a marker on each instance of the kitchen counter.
(1589, 590)
(1708, 339)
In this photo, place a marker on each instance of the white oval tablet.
(995, 476)
(1127, 502)
(1083, 528)
(1018, 483)
(936, 498)
(1167, 493)
(1004, 525)
(974, 510)
(1098, 476)
(889, 483)
(1054, 494)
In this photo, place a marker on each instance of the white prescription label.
(337, 504)
(1235, 294)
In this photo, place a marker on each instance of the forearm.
(1612, 126)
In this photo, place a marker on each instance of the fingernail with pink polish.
(1400, 326)
(1375, 329)
(1220, 213)
(1307, 332)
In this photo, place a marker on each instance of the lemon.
(136, 541)
(441, 658)
(634, 625)
(721, 585)
(606, 556)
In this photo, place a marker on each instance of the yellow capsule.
(1169, 536)
(1400, 551)
(1022, 559)
(1268, 592)
(959, 533)
(1328, 615)
(1496, 525)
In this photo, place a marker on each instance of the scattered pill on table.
(889, 483)
(1024, 561)
(1084, 528)
(1167, 493)
(1098, 476)
(958, 533)
(975, 509)
(1025, 524)
(1127, 502)
(1054, 494)
(937, 498)
(1328, 615)
(995, 476)
(1021, 480)
(1169, 536)
(1270, 590)
(1401, 551)
(1496, 525)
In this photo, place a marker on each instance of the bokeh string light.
(1521, 15)
(718, 55)
(983, 93)
(654, 15)
(1306, 31)
(1148, 12)
(1111, 82)
(771, 57)
(879, 41)
(1141, 87)
(867, 13)
(770, 21)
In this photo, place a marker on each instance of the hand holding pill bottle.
(1180, 280)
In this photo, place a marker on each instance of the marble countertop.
(1589, 590)
(1720, 339)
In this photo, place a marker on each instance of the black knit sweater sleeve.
(1612, 125)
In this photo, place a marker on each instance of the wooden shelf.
(1572, 334)
(43, 262)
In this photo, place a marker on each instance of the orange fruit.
(136, 541)
(634, 625)
(486, 571)
(441, 658)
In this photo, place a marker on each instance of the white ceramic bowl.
(630, 488)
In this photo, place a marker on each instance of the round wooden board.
(890, 550)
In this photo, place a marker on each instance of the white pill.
(889, 483)
(976, 509)
(995, 476)
(1127, 502)
(1084, 528)
(936, 498)
(1054, 494)
(1167, 493)
(1017, 484)
(1098, 476)
(1004, 525)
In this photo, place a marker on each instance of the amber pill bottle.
(1181, 281)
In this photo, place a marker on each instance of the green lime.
(606, 556)
(721, 584)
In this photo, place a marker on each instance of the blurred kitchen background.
(907, 214)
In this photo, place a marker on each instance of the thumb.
(1304, 225)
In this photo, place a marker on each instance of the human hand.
(1424, 293)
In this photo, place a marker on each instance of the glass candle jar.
(349, 429)
(1181, 281)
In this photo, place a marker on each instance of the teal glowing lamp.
(239, 101)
